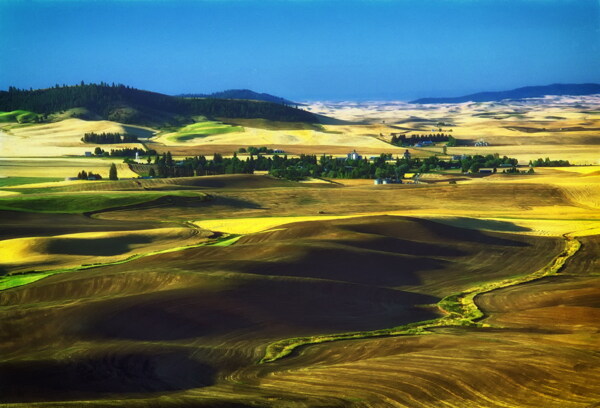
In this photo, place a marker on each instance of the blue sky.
(302, 49)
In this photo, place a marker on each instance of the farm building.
(88, 154)
(379, 181)
(354, 156)
(486, 171)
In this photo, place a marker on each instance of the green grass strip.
(12, 281)
(76, 203)
(459, 309)
(18, 181)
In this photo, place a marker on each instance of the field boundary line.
(460, 310)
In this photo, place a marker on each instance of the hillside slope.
(242, 94)
(519, 93)
(133, 106)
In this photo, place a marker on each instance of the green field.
(7, 282)
(19, 181)
(202, 129)
(85, 202)
(267, 124)
(21, 116)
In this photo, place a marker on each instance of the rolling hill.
(519, 93)
(245, 94)
(128, 105)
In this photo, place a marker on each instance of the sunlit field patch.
(252, 225)
(200, 130)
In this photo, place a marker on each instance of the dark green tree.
(112, 173)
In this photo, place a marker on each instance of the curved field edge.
(24, 278)
(77, 203)
(459, 310)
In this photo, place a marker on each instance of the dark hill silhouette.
(519, 93)
(129, 105)
(245, 94)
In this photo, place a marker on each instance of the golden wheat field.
(241, 290)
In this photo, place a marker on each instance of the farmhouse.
(424, 143)
(88, 154)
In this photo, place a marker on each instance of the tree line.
(117, 101)
(404, 140)
(85, 175)
(304, 166)
(125, 152)
(108, 138)
(548, 163)
(255, 150)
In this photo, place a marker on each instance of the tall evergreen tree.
(112, 173)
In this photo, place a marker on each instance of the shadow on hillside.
(475, 223)
(405, 247)
(93, 376)
(423, 230)
(350, 265)
(270, 306)
(94, 247)
(233, 202)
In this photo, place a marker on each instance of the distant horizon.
(302, 50)
(325, 99)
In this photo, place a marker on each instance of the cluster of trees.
(108, 138)
(514, 170)
(474, 163)
(110, 101)
(304, 166)
(84, 175)
(404, 140)
(549, 163)
(255, 150)
(125, 152)
(165, 166)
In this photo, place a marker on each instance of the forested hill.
(129, 105)
(243, 94)
(520, 93)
